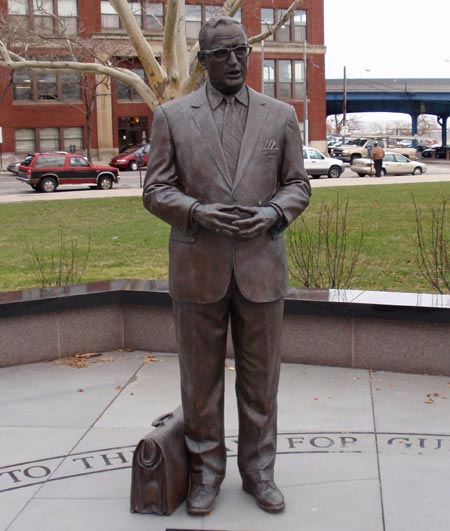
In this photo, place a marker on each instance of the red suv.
(44, 172)
(132, 158)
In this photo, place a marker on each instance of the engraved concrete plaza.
(357, 450)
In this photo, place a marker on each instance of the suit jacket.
(187, 165)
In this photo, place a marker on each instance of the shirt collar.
(215, 97)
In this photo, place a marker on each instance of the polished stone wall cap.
(322, 302)
(385, 298)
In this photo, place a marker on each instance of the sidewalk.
(357, 451)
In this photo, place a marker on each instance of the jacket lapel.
(203, 118)
(257, 114)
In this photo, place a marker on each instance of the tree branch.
(275, 27)
(122, 74)
(174, 45)
(231, 7)
(156, 76)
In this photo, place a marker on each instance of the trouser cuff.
(258, 475)
(205, 478)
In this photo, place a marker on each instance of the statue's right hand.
(216, 217)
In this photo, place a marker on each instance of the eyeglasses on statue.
(241, 51)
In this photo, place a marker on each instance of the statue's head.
(224, 52)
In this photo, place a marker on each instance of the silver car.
(393, 164)
(317, 164)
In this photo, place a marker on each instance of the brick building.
(43, 111)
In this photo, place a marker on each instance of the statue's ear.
(201, 58)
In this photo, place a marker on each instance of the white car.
(317, 164)
(393, 164)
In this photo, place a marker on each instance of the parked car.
(317, 164)
(13, 167)
(44, 172)
(435, 152)
(129, 159)
(357, 148)
(393, 164)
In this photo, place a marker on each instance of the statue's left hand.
(261, 220)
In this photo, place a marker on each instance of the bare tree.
(336, 121)
(177, 72)
(433, 245)
(76, 49)
(427, 125)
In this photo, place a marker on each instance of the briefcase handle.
(160, 421)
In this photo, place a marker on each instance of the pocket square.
(270, 144)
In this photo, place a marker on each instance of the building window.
(72, 136)
(299, 25)
(70, 86)
(193, 21)
(43, 15)
(127, 93)
(22, 85)
(284, 79)
(18, 11)
(269, 77)
(68, 16)
(46, 86)
(25, 141)
(154, 17)
(293, 29)
(48, 139)
(148, 15)
(197, 15)
(212, 11)
(39, 86)
(110, 18)
(48, 16)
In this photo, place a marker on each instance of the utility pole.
(305, 96)
(344, 100)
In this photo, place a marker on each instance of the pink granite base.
(149, 328)
(315, 340)
(334, 340)
(25, 339)
(401, 346)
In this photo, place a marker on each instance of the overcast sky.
(390, 38)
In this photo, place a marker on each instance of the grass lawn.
(127, 242)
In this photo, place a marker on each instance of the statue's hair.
(212, 23)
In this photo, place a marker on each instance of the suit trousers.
(202, 336)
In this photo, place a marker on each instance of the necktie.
(232, 134)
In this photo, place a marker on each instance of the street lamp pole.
(344, 101)
(305, 96)
(262, 66)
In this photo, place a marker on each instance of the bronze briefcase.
(159, 477)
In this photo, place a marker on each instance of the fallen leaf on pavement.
(77, 361)
(150, 359)
(105, 359)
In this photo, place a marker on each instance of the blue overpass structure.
(410, 96)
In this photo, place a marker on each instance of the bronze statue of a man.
(226, 172)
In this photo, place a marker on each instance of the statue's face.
(226, 75)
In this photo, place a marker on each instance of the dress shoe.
(268, 496)
(201, 498)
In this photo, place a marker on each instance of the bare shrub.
(61, 266)
(321, 254)
(433, 245)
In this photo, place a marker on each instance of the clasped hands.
(239, 222)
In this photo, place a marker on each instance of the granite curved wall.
(373, 330)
